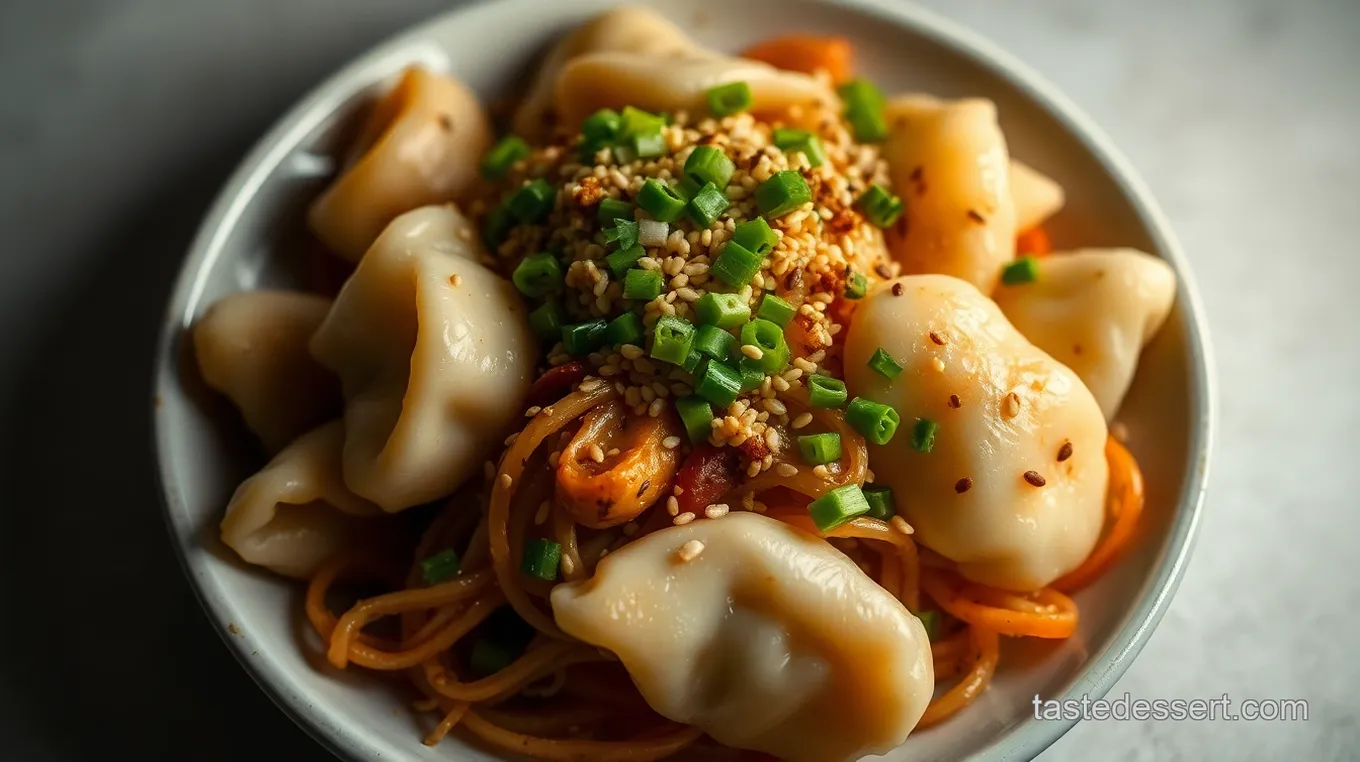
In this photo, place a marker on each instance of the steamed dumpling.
(1036, 196)
(421, 145)
(1094, 311)
(1004, 408)
(651, 83)
(296, 512)
(949, 163)
(769, 639)
(434, 355)
(252, 347)
(627, 29)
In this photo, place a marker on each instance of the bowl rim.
(1027, 739)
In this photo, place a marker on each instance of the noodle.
(558, 750)
(1126, 505)
(985, 645)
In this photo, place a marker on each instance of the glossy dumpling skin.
(617, 79)
(252, 347)
(420, 145)
(296, 512)
(626, 29)
(1002, 530)
(949, 163)
(434, 355)
(1094, 310)
(1036, 196)
(769, 639)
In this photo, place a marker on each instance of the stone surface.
(120, 121)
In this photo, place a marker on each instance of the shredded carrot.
(1033, 241)
(806, 53)
(1125, 502)
(1046, 613)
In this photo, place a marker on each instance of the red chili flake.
(1065, 451)
(706, 475)
(954, 401)
(842, 221)
(754, 448)
(589, 193)
(897, 289)
(916, 174)
(963, 485)
(1035, 479)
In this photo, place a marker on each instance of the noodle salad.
(710, 402)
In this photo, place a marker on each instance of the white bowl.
(246, 240)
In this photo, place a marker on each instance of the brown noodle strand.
(562, 750)
(365, 611)
(512, 465)
(450, 720)
(986, 645)
(535, 663)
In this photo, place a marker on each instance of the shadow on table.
(104, 648)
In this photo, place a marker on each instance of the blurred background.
(119, 120)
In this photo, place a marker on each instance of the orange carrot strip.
(1033, 241)
(806, 53)
(1047, 613)
(1125, 501)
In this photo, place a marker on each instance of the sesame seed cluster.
(819, 246)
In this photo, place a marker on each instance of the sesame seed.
(506, 480)
(901, 525)
(802, 420)
(776, 407)
(752, 351)
(596, 453)
(455, 279)
(963, 485)
(690, 550)
(1035, 479)
(716, 511)
(541, 515)
(671, 442)
(511, 439)
(1065, 451)
(1010, 405)
(630, 529)
(590, 384)
(683, 518)
(954, 401)
(631, 351)
(786, 470)
(935, 337)
(657, 407)
(822, 472)
(533, 411)
(568, 565)
(611, 452)
(672, 506)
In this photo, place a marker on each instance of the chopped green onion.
(776, 310)
(756, 236)
(884, 364)
(826, 392)
(882, 505)
(620, 261)
(783, 193)
(537, 275)
(930, 620)
(751, 375)
(697, 415)
(687, 188)
(820, 449)
(625, 329)
(769, 338)
(864, 110)
(660, 201)
(583, 338)
(642, 285)
(497, 223)
(722, 310)
(672, 339)
(532, 203)
(707, 204)
(875, 421)
(837, 507)
(624, 154)
(625, 233)
(736, 265)
(809, 145)
(1021, 271)
(879, 206)
(923, 435)
(635, 121)
(718, 384)
(693, 361)
(546, 321)
(502, 156)
(615, 209)
(708, 164)
(715, 342)
(649, 145)
(602, 126)
(439, 567)
(733, 98)
(541, 559)
(856, 286)
(490, 656)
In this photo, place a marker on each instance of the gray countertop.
(121, 119)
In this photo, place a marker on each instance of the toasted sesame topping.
(901, 525)
(803, 419)
(935, 337)
(541, 515)
(963, 485)
(690, 550)
(506, 480)
(683, 518)
(716, 511)
(786, 470)
(671, 442)
(1065, 451)
(672, 506)
(533, 411)
(752, 351)
(596, 453)
(1035, 479)
(897, 289)
(455, 280)
(954, 401)
(1010, 405)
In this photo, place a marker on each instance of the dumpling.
(434, 355)
(1014, 488)
(421, 145)
(768, 639)
(1094, 310)
(252, 347)
(628, 29)
(949, 163)
(615, 80)
(1036, 196)
(296, 512)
